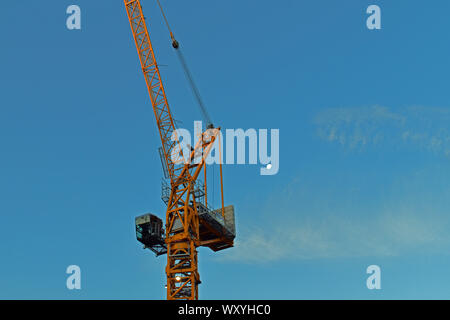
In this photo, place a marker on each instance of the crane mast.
(188, 219)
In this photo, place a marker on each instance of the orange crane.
(190, 222)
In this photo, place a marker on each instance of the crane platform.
(217, 232)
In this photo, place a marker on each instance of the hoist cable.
(187, 73)
(194, 88)
(165, 19)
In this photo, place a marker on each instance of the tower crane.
(190, 221)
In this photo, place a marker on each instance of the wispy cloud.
(389, 234)
(424, 127)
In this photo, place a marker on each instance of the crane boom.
(155, 87)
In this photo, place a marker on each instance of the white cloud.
(389, 234)
(424, 127)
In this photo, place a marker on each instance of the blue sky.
(364, 147)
